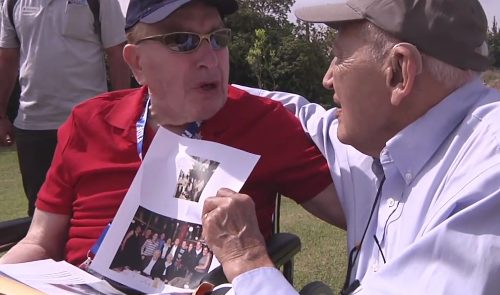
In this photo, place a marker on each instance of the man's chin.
(207, 114)
(210, 108)
(343, 136)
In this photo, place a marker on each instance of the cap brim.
(330, 14)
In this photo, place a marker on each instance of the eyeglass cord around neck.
(349, 288)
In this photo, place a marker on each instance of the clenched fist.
(231, 230)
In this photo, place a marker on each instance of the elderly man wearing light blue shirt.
(414, 151)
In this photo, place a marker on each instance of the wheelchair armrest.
(316, 288)
(281, 248)
(12, 231)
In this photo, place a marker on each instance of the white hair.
(449, 76)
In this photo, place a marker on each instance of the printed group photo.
(193, 177)
(164, 250)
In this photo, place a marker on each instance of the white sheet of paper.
(153, 189)
(56, 278)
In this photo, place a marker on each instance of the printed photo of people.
(163, 249)
(193, 177)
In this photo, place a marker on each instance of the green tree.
(268, 51)
(278, 9)
(302, 66)
(243, 25)
(263, 60)
(494, 44)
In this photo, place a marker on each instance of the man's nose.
(328, 80)
(208, 55)
(328, 77)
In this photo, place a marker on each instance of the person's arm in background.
(45, 239)
(231, 230)
(119, 72)
(9, 66)
(326, 206)
(113, 40)
(317, 122)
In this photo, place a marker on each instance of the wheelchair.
(281, 247)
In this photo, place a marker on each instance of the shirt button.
(375, 267)
(391, 202)
(408, 176)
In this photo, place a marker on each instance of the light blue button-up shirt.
(438, 218)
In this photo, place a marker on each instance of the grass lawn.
(13, 202)
(322, 257)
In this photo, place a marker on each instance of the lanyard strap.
(191, 131)
(141, 128)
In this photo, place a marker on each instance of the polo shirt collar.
(127, 110)
(414, 146)
(125, 113)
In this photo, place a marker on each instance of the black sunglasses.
(185, 42)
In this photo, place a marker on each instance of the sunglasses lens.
(220, 39)
(186, 42)
(181, 42)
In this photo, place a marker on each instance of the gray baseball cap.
(453, 31)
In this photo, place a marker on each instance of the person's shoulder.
(105, 102)
(252, 101)
(487, 113)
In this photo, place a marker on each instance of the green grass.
(13, 202)
(322, 258)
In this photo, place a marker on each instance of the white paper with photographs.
(154, 244)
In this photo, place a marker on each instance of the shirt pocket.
(78, 22)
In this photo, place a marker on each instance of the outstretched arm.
(326, 206)
(45, 239)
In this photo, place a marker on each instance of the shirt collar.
(413, 146)
(126, 111)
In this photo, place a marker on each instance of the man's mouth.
(336, 102)
(338, 112)
(207, 86)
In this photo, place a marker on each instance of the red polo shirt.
(96, 159)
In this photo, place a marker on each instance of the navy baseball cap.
(152, 11)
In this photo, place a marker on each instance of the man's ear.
(132, 57)
(402, 67)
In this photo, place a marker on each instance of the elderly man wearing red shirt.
(178, 51)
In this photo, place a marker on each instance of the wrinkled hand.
(6, 132)
(231, 230)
